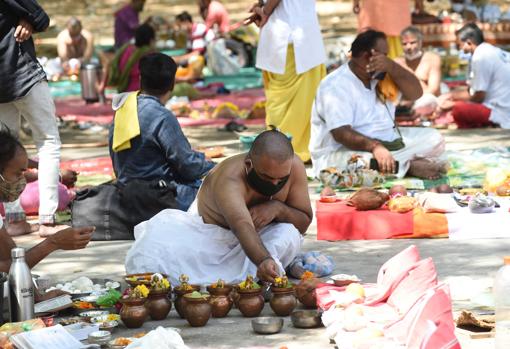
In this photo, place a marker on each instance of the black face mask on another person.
(262, 186)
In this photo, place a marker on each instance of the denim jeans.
(38, 109)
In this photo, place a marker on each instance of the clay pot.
(221, 302)
(133, 313)
(283, 300)
(179, 301)
(305, 292)
(251, 302)
(158, 304)
(198, 310)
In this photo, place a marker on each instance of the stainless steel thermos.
(21, 287)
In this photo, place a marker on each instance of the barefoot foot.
(427, 169)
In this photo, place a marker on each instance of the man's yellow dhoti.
(289, 101)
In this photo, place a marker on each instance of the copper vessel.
(251, 302)
(158, 304)
(221, 301)
(198, 310)
(179, 300)
(133, 313)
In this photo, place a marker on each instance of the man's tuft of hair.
(273, 144)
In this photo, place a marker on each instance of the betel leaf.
(109, 299)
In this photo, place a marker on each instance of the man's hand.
(267, 270)
(384, 159)
(258, 16)
(69, 178)
(263, 214)
(72, 238)
(23, 31)
(379, 63)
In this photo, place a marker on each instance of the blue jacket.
(160, 152)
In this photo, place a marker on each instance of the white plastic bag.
(160, 338)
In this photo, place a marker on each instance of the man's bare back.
(228, 181)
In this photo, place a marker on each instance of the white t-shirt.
(200, 37)
(490, 72)
(293, 21)
(342, 99)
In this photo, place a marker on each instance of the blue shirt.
(160, 152)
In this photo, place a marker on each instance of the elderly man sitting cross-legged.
(248, 218)
(354, 113)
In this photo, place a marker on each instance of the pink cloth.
(30, 198)
(217, 14)
(134, 74)
(390, 17)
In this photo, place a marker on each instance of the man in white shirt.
(291, 54)
(354, 113)
(487, 100)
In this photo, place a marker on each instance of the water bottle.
(21, 288)
(502, 300)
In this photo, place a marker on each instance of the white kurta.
(292, 22)
(175, 242)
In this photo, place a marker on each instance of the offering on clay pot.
(397, 190)
(198, 309)
(158, 303)
(184, 288)
(221, 302)
(134, 313)
(305, 290)
(283, 300)
(368, 199)
(250, 302)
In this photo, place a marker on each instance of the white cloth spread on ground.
(343, 100)
(490, 72)
(296, 22)
(175, 242)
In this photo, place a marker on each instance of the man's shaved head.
(272, 144)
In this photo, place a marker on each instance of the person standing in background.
(25, 92)
(291, 54)
(389, 17)
(126, 21)
(214, 14)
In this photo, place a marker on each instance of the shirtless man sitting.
(426, 67)
(248, 218)
(75, 46)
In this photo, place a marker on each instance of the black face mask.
(262, 186)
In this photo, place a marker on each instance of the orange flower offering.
(307, 275)
(218, 284)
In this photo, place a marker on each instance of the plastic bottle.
(21, 287)
(502, 301)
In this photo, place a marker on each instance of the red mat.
(102, 165)
(337, 221)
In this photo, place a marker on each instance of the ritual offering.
(106, 322)
(368, 199)
(283, 300)
(158, 304)
(503, 190)
(134, 313)
(305, 290)
(328, 195)
(251, 301)
(83, 286)
(180, 291)
(120, 343)
(221, 302)
(198, 309)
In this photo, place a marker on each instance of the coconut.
(368, 199)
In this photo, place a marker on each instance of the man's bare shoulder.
(432, 57)
(227, 172)
(298, 169)
(87, 34)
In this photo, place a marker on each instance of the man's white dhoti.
(175, 242)
(420, 142)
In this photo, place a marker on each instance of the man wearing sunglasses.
(248, 218)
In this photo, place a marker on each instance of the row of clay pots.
(198, 310)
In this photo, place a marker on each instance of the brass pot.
(158, 304)
(179, 300)
(221, 302)
(283, 301)
(251, 302)
(133, 313)
(198, 310)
